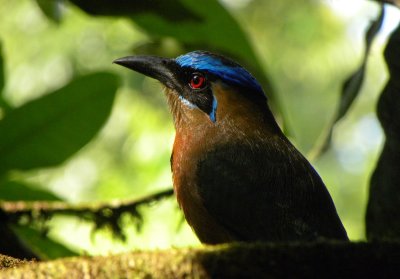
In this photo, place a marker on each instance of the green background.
(301, 51)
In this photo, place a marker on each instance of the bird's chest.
(184, 163)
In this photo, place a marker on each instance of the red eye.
(197, 81)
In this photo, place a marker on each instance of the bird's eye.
(197, 81)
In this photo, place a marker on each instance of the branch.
(44, 207)
(104, 213)
(10, 262)
(257, 260)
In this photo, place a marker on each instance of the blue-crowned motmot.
(235, 174)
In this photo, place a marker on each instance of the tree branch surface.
(313, 260)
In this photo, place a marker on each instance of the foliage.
(57, 120)
(352, 86)
(45, 136)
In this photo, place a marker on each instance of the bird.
(236, 176)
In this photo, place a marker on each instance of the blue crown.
(224, 68)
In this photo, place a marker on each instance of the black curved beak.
(156, 67)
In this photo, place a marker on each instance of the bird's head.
(202, 86)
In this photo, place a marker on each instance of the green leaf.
(216, 31)
(4, 106)
(352, 85)
(41, 245)
(206, 26)
(170, 10)
(1, 71)
(21, 191)
(47, 131)
(51, 8)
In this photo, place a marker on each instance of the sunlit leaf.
(352, 85)
(21, 191)
(47, 131)
(41, 245)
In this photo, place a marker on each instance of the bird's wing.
(267, 194)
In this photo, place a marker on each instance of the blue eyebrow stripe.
(228, 71)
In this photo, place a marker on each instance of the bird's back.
(261, 193)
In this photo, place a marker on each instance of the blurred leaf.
(51, 8)
(41, 245)
(10, 243)
(21, 191)
(207, 26)
(352, 86)
(165, 47)
(170, 10)
(1, 70)
(4, 106)
(217, 31)
(48, 130)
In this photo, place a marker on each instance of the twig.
(38, 207)
(103, 214)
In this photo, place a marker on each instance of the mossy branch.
(258, 260)
(102, 214)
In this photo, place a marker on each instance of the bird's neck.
(238, 120)
(196, 135)
(237, 117)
